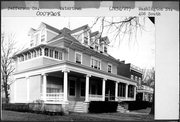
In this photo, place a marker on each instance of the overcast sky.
(141, 53)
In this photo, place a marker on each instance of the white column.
(65, 85)
(27, 80)
(87, 89)
(127, 91)
(103, 89)
(134, 92)
(116, 91)
(42, 49)
(44, 86)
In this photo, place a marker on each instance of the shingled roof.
(80, 28)
(51, 27)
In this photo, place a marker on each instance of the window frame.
(109, 64)
(94, 58)
(80, 55)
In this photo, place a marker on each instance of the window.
(109, 68)
(105, 49)
(95, 63)
(72, 88)
(86, 40)
(78, 57)
(96, 47)
(131, 91)
(29, 55)
(46, 51)
(40, 52)
(132, 77)
(34, 53)
(135, 78)
(51, 53)
(60, 55)
(122, 89)
(37, 39)
(56, 54)
(82, 88)
(25, 57)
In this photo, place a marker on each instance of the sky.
(141, 53)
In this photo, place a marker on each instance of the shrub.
(21, 107)
(102, 106)
(135, 105)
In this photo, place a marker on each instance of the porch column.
(42, 49)
(103, 89)
(134, 92)
(116, 91)
(65, 85)
(44, 86)
(27, 80)
(127, 91)
(87, 88)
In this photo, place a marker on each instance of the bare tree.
(149, 78)
(119, 27)
(7, 68)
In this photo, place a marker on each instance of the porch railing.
(93, 97)
(54, 97)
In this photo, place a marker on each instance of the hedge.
(135, 105)
(102, 106)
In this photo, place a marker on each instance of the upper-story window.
(46, 51)
(86, 38)
(135, 78)
(37, 39)
(51, 53)
(109, 68)
(105, 49)
(132, 77)
(78, 57)
(95, 63)
(43, 35)
(96, 47)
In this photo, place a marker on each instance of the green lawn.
(21, 116)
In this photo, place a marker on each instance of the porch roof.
(76, 68)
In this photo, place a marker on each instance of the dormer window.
(105, 49)
(43, 35)
(86, 40)
(96, 47)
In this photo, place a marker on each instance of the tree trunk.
(6, 91)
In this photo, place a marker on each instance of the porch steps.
(121, 109)
(76, 106)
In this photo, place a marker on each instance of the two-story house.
(68, 68)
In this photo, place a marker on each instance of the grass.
(22, 116)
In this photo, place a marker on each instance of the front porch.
(61, 87)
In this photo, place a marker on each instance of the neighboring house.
(145, 93)
(69, 68)
(130, 71)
